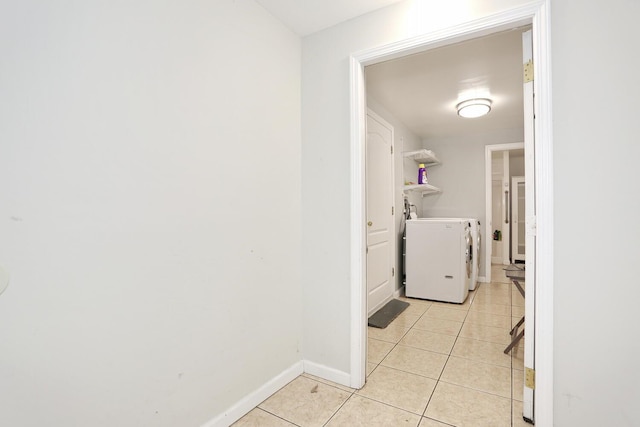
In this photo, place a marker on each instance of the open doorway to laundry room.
(404, 141)
(504, 165)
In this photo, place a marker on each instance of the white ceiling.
(305, 17)
(422, 90)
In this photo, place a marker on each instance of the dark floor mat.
(384, 316)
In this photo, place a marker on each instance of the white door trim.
(536, 13)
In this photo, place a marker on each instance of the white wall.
(326, 158)
(461, 177)
(404, 140)
(596, 352)
(149, 209)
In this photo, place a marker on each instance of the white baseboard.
(482, 279)
(327, 373)
(399, 292)
(496, 260)
(247, 403)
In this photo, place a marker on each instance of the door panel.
(380, 224)
(530, 228)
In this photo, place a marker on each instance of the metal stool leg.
(514, 342)
(514, 330)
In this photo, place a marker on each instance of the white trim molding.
(543, 409)
(537, 14)
(247, 403)
(327, 373)
(358, 232)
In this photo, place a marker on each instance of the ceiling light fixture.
(473, 108)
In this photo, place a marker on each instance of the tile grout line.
(276, 415)
(446, 361)
(340, 407)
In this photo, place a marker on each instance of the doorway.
(535, 14)
(500, 167)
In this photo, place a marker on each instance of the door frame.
(537, 14)
(488, 192)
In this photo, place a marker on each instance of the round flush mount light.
(473, 108)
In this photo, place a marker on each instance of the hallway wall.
(149, 210)
(596, 212)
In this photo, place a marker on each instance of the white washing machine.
(438, 259)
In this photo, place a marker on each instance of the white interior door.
(518, 211)
(380, 224)
(530, 228)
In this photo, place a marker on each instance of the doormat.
(384, 316)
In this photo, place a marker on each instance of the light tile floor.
(437, 364)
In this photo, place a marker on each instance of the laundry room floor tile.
(486, 333)
(306, 402)
(260, 418)
(497, 289)
(416, 361)
(453, 306)
(377, 350)
(406, 320)
(370, 368)
(482, 351)
(518, 385)
(392, 333)
(477, 375)
(445, 313)
(488, 319)
(401, 389)
(517, 299)
(490, 298)
(431, 341)
(517, 311)
(517, 357)
(501, 310)
(428, 422)
(464, 407)
(439, 326)
(417, 307)
(362, 412)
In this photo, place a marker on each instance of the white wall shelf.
(424, 188)
(422, 156)
(429, 159)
